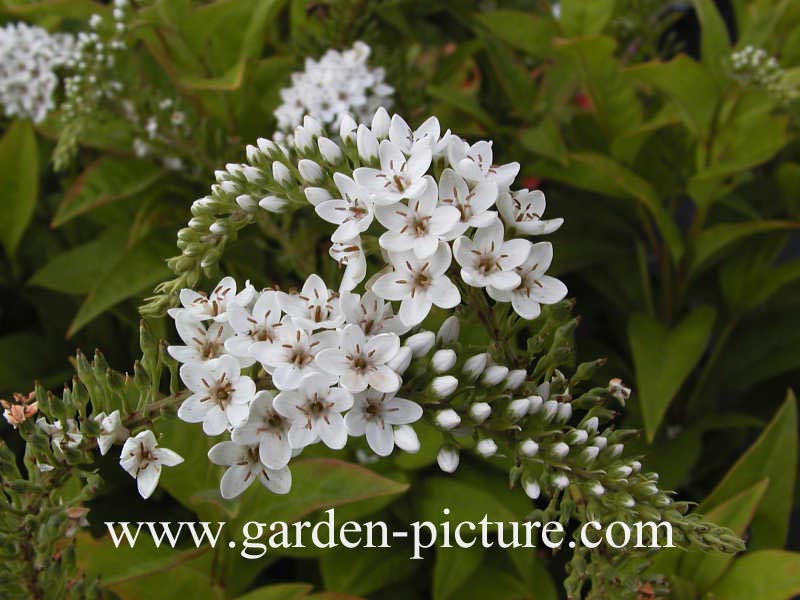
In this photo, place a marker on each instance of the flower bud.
(494, 375)
(266, 146)
(561, 481)
(636, 466)
(401, 361)
(564, 412)
(577, 437)
(518, 408)
(317, 195)
(245, 202)
(475, 365)
(347, 128)
(559, 449)
(229, 187)
(367, 143)
(380, 123)
(592, 424)
(620, 472)
(447, 459)
(449, 331)
(528, 448)
(531, 487)
(486, 447)
(600, 441)
(330, 150)
(406, 439)
(252, 174)
(616, 450)
(303, 139)
(480, 411)
(590, 453)
(272, 203)
(549, 409)
(310, 171)
(597, 489)
(312, 125)
(444, 386)
(280, 172)
(515, 378)
(443, 360)
(251, 152)
(420, 343)
(447, 419)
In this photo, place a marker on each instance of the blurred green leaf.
(106, 180)
(26, 356)
(452, 569)
(664, 358)
(773, 455)
(280, 591)
(714, 41)
(545, 139)
(19, 180)
(579, 18)
(364, 571)
(766, 575)
(524, 31)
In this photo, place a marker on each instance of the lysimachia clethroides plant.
(433, 304)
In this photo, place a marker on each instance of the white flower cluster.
(165, 123)
(29, 60)
(336, 83)
(754, 66)
(334, 364)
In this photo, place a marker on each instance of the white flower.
(201, 307)
(418, 284)
(406, 439)
(532, 488)
(443, 360)
(399, 176)
(536, 403)
(142, 459)
(472, 204)
(449, 331)
(515, 378)
(487, 447)
(418, 226)
(353, 212)
(112, 431)
(523, 211)
(559, 450)
(494, 375)
(426, 135)
(315, 412)
(534, 287)
(350, 255)
(488, 260)
(518, 408)
(267, 429)
(257, 326)
(374, 413)
(371, 313)
(202, 342)
(475, 365)
(447, 419)
(220, 394)
(444, 386)
(61, 438)
(619, 390)
(561, 481)
(474, 163)
(447, 459)
(420, 343)
(480, 411)
(244, 468)
(292, 355)
(314, 307)
(529, 448)
(361, 362)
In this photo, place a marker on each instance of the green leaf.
(280, 591)
(664, 358)
(714, 41)
(580, 18)
(773, 455)
(453, 568)
(136, 271)
(19, 180)
(512, 76)
(689, 85)
(523, 31)
(106, 180)
(545, 139)
(716, 238)
(462, 102)
(77, 270)
(704, 568)
(317, 483)
(26, 356)
(364, 571)
(76, 9)
(435, 494)
(766, 575)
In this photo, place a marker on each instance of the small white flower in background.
(257, 326)
(399, 176)
(523, 211)
(202, 342)
(532, 488)
(488, 260)
(61, 438)
(473, 205)
(418, 226)
(474, 163)
(619, 390)
(447, 459)
(142, 459)
(360, 362)
(112, 431)
(214, 306)
(375, 413)
(244, 468)
(292, 355)
(371, 313)
(267, 429)
(418, 284)
(353, 212)
(315, 411)
(220, 396)
(534, 287)
(314, 307)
